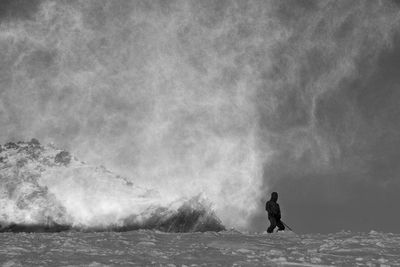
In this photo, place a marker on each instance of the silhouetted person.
(274, 213)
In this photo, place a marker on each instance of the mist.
(227, 99)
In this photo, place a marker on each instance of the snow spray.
(210, 98)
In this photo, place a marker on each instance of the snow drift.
(43, 188)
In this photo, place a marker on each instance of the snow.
(41, 193)
(147, 247)
(39, 188)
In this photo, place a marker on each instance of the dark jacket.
(273, 208)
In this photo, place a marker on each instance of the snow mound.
(43, 188)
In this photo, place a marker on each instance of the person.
(274, 213)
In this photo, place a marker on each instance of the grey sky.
(310, 88)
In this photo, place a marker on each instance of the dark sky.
(11, 10)
(234, 99)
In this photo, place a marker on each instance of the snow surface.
(228, 248)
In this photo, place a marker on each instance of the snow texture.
(227, 248)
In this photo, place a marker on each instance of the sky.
(229, 99)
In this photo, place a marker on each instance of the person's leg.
(280, 225)
(272, 226)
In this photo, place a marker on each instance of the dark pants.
(274, 223)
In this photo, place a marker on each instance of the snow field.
(154, 248)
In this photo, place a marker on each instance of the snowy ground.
(150, 248)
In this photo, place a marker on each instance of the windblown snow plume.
(229, 99)
(44, 188)
(142, 88)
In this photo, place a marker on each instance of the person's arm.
(278, 212)
(273, 209)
